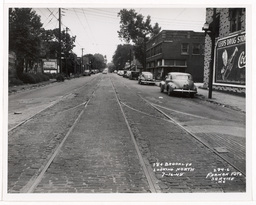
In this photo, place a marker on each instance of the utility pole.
(130, 59)
(82, 60)
(212, 35)
(60, 66)
(66, 52)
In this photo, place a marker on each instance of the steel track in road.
(34, 181)
(193, 135)
(172, 120)
(49, 106)
(154, 188)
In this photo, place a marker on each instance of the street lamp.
(210, 29)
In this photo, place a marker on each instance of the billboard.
(229, 69)
(50, 65)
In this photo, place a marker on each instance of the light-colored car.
(87, 73)
(120, 72)
(146, 78)
(105, 71)
(127, 74)
(177, 82)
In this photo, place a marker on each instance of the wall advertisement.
(229, 69)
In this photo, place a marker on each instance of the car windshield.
(147, 75)
(181, 77)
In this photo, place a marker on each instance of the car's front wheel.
(162, 88)
(169, 91)
(192, 95)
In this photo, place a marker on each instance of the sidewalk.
(18, 88)
(221, 98)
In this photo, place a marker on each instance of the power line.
(52, 13)
(88, 25)
(82, 24)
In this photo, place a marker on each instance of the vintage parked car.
(146, 78)
(127, 74)
(134, 75)
(87, 73)
(120, 72)
(177, 82)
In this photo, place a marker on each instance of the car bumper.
(148, 82)
(184, 91)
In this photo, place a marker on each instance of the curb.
(202, 97)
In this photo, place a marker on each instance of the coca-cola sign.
(230, 60)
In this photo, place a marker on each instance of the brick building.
(172, 51)
(227, 27)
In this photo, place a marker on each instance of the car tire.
(192, 95)
(169, 92)
(162, 89)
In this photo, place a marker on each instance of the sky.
(96, 28)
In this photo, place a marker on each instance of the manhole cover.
(221, 149)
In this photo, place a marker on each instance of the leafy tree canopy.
(95, 61)
(122, 55)
(50, 42)
(111, 67)
(25, 30)
(134, 28)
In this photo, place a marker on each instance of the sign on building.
(50, 65)
(230, 64)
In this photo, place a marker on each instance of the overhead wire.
(88, 24)
(110, 15)
(82, 24)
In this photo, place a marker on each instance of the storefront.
(229, 66)
(229, 69)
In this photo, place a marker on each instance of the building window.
(184, 48)
(158, 49)
(169, 62)
(178, 63)
(196, 49)
(148, 54)
(152, 51)
(235, 16)
(159, 62)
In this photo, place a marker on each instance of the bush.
(51, 75)
(28, 78)
(32, 78)
(43, 77)
(60, 77)
(15, 81)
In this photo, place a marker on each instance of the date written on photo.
(172, 169)
(222, 175)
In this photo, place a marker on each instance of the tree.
(50, 42)
(111, 67)
(95, 61)
(98, 62)
(25, 29)
(122, 55)
(134, 28)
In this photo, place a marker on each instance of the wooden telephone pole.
(60, 66)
